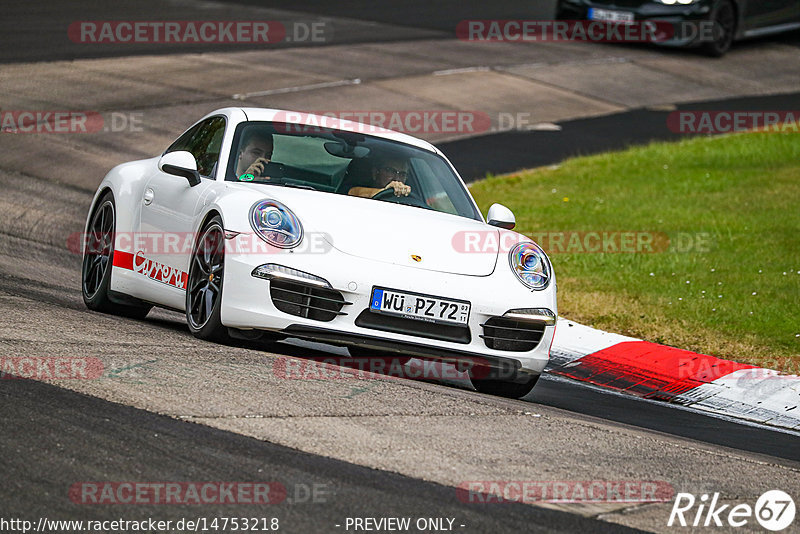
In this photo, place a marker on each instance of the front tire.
(98, 259)
(204, 284)
(514, 387)
(723, 19)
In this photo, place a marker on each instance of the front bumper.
(688, 24)
(247, 304)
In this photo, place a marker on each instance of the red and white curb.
(677, 376)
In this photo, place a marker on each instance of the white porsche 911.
(283, 224)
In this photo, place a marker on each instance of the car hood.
(392, 233)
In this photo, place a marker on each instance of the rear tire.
(204, 284)
(723, 17)
(98, 259)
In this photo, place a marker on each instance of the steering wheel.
(387, 195)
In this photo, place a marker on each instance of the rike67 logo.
(774, 510)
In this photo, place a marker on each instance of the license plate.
(607, 15)
(418, 306)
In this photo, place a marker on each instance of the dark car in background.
(710, 24)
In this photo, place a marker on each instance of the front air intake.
(502, 333)
(309, 302)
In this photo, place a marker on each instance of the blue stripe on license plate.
(377, 297)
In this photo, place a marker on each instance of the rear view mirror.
(344, 150)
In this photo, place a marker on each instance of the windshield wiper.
(279, 181)
(299, 186)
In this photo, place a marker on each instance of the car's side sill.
(769, 30)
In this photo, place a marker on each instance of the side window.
(204, 142)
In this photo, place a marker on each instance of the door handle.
(149, 195)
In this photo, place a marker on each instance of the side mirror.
(180, 163)
(501, 216)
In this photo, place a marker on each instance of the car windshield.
(346, 163)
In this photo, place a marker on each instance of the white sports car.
(284, 224)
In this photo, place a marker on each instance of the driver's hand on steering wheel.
(257, 167)
(400, 189)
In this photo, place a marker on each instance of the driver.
(387, 174)
(255, 151)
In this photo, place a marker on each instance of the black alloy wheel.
(98, 258)
(723, 20)
(204, 284)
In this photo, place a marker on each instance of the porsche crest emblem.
(416, 258)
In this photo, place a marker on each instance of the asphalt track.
(38, 30)
(510, 151)
(72, 431)
(54, 437)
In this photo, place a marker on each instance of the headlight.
(276, 224)
(531, 265)
(677, 2)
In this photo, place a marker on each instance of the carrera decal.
(152, 269)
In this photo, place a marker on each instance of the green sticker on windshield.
(247, 178)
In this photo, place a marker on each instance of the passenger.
(255, 151)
